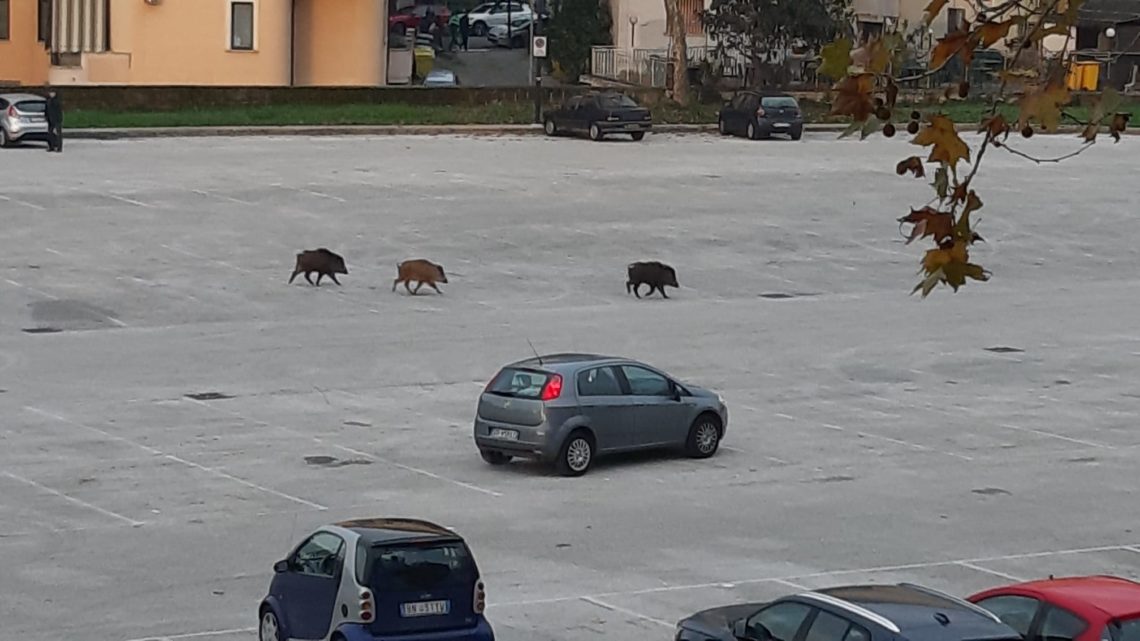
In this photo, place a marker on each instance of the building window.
(5, 30)
(241, 26)
(955, 20)
(43, 21)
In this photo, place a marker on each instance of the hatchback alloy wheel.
(576, 455)
(707, 437)
(704, 437)
(269, 630)
(550, 127)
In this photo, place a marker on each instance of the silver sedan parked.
(22, 118)
(567, 409)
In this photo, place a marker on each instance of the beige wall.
(23, 59)
(341, 43)
(187, 43)
(651, 31)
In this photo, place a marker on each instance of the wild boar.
(322, 261)
(655, 274)
(420, 270)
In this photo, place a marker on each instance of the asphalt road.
(961, 442)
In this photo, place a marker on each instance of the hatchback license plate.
(425, 608)
(506, 435)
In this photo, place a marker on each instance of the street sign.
(539, 46)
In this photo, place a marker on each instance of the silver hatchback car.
(569, 408)
(22, 118)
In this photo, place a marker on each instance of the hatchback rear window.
(420, 566)
(32, 106)
(518, 383)
(616, 101)
(776, 102)
(1128, 630)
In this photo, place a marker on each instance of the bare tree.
(678, 51)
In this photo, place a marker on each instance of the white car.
(519, 36)
(485, 16)
(22, 118)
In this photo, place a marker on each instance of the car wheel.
(796, 135)
(752, 131)
(576, 454)
(480, 29)
(495, 458)
(704, 437)
(595, 132)
(638, 135)
(721, 127)
(4, 142)
(269, 630)
(550, 128)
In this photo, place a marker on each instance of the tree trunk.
(678, 52)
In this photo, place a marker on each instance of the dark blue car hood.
(716, 623)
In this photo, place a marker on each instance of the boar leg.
(320, 275)
(637, 290)
(408, 286)
(308, 278)
(293, 276)
(333, 276)
(394, 283)
(435, 288)
(661, 288)
(628, 286)
(419, 284)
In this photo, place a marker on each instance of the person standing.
(54, 115)
(464, 29)
(453, 27)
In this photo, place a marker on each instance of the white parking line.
(813, 575)
(129, 201)
(1132, 548)
(197, 635)
(202, 192)
(985, 570)
(207, 259)
(1057, 436)
(367, 455)
(177, 459)
(30, 289)
(791, 584)
(620, 610)
(21, 202)
(72, 499)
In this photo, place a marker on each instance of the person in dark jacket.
(464, 30)
(54, 115)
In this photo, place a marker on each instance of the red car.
(1084, 608)
(410, 17)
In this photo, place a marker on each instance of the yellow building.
(194, 42)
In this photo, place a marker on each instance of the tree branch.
(1041, 161)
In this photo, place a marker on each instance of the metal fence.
(650, 67)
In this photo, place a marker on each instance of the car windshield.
(420, 566)
(32, 106)
(1127, 630)
(518, 383)
(776, 102)
(615, 101)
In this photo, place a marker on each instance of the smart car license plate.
(425, 608)
(506, 435)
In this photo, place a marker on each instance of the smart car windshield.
(420, 566)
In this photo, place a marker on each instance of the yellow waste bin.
(1084, 76)
(425, 60)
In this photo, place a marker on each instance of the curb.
(417, 130)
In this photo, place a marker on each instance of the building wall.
(651, 30)
(23, 59)
(342, 43)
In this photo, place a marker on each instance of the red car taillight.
(552, 389)
(12, 111)
(480, 600)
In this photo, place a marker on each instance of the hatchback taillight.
(12, 111)
(480, 600)
(366, 606)
(553, 388)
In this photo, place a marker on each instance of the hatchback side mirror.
(281, 566)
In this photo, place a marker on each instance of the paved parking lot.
(961, 442)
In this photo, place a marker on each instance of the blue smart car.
(377, 579)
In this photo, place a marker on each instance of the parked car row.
(388, 578)
(598, 114)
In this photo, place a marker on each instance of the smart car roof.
(389, 530)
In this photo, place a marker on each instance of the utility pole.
(537, 41)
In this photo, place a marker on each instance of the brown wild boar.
(322, 261)
(656, 275)
(420, 270)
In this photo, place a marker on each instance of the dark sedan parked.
(756, 114)
(903, 612)
(598, 115)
